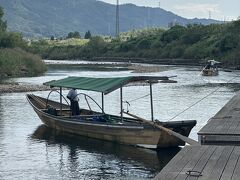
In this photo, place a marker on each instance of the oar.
(202, 70)
(170, 132)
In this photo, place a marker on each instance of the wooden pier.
(203, 163)
(218, 156)
(224, 127)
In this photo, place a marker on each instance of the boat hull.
(136, 134)
(210, 72)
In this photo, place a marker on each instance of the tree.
(70, 35)
(3, 24)
(75, 34)
(88, 35)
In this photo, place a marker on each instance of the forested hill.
(44, 18)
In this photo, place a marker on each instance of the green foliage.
(16, 62)
(95, 46)
(73, 35)
(87, 35)
(173, 34)
(194, 42)
(194, 33)
(11, 40)
(3, 24)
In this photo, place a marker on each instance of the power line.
(202, 99)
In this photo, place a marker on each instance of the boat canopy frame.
(105, 86)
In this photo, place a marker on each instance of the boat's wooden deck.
(224, 127)
(209, 162)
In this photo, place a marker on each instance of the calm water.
(29, 150)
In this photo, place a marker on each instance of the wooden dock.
(224, 127)
(203, 163)
(218, 156)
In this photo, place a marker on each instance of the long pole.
(102, 102)
(169, 131)
(151, 99)
(121, 104)
(61, 100)
(117, 19)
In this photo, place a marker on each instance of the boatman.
(72, 96)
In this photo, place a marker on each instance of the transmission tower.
(117, 19)
(209, 15)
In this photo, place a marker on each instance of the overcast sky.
(216, 9)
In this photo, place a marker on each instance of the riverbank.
(187, 62)
(18, 63)
(16, 87)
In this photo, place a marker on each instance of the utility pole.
(209, 15)
(117, 19)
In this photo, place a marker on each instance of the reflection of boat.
(211, 68)
(150, 159)
(104, 126)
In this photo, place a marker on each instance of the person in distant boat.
(72, 96)
(208, 66)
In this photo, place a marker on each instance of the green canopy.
(105, 85)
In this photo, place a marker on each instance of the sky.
(215, 9)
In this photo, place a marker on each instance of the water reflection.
(90, 158)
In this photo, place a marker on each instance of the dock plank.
(228, 111)
(169, 166)
(236, 172)
(213, 162)
(229, 169)
(224, 127)
(172, 169)
(221, 163)
(196, 162)
(209, 168)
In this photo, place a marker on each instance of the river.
(29, 150)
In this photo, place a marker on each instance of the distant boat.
(211, 68)
(89, 123)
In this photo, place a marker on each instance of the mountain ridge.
(34, 18)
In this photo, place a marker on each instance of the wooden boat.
(93, 124)
(211, 68)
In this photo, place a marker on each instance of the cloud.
(199, 10)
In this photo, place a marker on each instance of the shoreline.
(17, 88)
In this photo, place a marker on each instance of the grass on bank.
(16, 62)
(68, 42)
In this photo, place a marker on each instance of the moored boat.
(98, 124)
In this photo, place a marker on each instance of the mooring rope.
(128, 102)
(138, 98)
(202, 99)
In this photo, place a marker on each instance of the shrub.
(16, 62)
